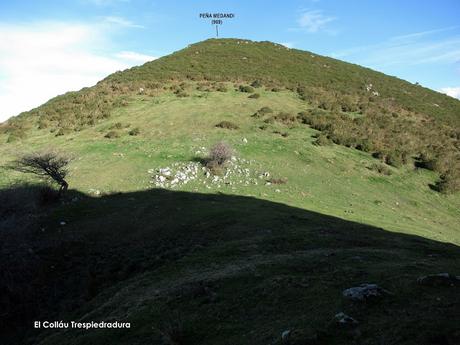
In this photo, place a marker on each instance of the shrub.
(380, 168)
(256, 83)
(220, 153)
(112, 135)
(285, 118)
(227, 125)
(322, 140)
(134, 131)
(254, 96)
(246, 88)
(262, 111)
(449, 182)
(117, 125)
(60, 132)
(181, 93)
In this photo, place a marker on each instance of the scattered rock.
(440, 279)
(62, 223)
(345, 320)
(245, 140)
(364, 292)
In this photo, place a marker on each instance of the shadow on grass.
(58, 258)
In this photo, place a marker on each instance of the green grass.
(275, 257)
(332, 179)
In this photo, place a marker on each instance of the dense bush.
(246, 88)
(262, 112)
(112, 135)
(285, 118)
(322, 140)
(396, 141)
(134, 131)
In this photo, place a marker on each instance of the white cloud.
(314, 20)
(121, 22)
(451, 91)
(37, 64)
(135, 57)
(411, 49)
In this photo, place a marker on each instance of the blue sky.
(50, 47)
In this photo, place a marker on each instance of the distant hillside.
(237, 59)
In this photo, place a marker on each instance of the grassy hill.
(334, 183)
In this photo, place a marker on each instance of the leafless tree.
(49, 165)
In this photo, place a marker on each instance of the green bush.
(380, 168)
(246, 88)
(262, 111)
(285, 118)
(112, 135)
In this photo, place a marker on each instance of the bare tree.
(49, 165)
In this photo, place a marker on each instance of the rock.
(62, 223)
(285, 336)
(345, 320)
(277, 191)
(165, 171)
(245, 140)
(364, 292)
(440, 279)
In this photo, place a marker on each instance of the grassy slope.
(273, 260)
(331, 180)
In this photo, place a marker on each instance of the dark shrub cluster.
(134, 131)
(246, 88)
(262, 112)
(396, 141)
(112, 135)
